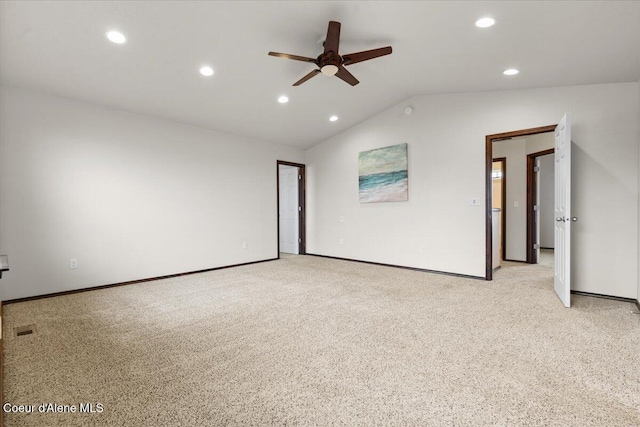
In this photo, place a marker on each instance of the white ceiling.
(60, 48)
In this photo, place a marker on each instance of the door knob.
(574, 218)
(559, 219)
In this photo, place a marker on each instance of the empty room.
(256, 213)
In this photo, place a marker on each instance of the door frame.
(532, 195)
(503, 208)
(302, 225)
(488, 184)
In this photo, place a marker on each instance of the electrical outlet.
(422, 249)
(73, 263)
(474, 201)
(245, 245)
(342, 241)
(341, 219)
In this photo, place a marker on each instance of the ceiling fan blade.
(352, 58)
(332, 42)
(307, 77)
(346, 76)
(294, 57)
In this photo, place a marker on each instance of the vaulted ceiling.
(61, 48)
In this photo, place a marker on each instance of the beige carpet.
(313, 341)
(546, 258)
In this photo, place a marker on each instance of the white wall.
(547, 200)
(446, 137)
(129, 196)
(540, 142)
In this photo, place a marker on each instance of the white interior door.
(562, 235)
(288, 214)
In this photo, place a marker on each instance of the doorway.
(489, 140)
(291, 208)
(562, 218)
(540, 204)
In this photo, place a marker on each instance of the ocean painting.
(383, 174)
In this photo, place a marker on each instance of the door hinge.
(299, 176)
(536, 246)
(299, 240)
(535, 207)
(299, 208)
(536, 168)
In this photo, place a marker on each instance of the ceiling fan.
(330, 63)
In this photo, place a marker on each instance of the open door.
(291, 187)
(288, 209)
(562, 235)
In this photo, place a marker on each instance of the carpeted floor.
(545, 259)
(313, 341)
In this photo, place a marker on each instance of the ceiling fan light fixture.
(510, 72)
(333, 118)
(283, 99)
(329, 70)
(485, 22)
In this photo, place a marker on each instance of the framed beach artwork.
(383, 174)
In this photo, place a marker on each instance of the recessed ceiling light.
(206, 71)
(333, 118)
(510, 72)
(485, 22)
(116, 37)
(283, 99)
